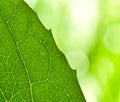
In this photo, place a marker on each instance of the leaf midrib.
(19, 53)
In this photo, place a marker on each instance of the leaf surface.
(32, 68)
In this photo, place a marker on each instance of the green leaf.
(32, 68)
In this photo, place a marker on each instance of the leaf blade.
(32, 68)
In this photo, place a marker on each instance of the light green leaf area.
(32, 68)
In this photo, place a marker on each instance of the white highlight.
(84, 20)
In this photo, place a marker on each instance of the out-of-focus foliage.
(88, 32)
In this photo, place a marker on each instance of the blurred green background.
(88, 33)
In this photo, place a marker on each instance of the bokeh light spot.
(112, 39)
(78, 61)
(105, 69)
